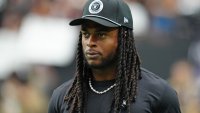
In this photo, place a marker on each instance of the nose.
(91, 41)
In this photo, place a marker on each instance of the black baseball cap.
(110, 13)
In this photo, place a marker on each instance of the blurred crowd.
(37, 48)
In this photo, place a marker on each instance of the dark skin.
(99, 47)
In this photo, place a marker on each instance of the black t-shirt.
(154, 96)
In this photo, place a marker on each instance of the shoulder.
(63, 87)
(151, 80)
(57, 98)
(158, 91)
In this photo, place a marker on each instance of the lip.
(92, 54)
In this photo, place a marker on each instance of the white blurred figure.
(8, 54)
(8, 41)
(45, 39)
(188, 7)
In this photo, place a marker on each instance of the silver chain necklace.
(100, 92)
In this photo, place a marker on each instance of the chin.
(95, 65)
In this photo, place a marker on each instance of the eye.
(85, 34)
(101, 34)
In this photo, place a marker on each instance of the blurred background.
(37, 48)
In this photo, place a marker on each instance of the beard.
(109, 61)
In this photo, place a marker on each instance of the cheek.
(111, 47)
(115, 43)
(115, 40)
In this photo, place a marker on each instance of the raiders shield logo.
(96, 6)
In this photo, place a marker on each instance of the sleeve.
(169, 102)
(52, 108)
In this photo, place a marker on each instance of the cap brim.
(100, 21)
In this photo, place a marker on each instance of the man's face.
(99, 44)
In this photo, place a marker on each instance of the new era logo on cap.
(125, 20)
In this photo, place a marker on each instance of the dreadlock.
(128, 73)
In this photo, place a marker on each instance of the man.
(109, 78)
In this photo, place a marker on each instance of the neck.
(108, 73)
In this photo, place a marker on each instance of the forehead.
(93, 25)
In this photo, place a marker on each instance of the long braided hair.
(128, 73)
